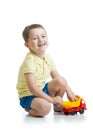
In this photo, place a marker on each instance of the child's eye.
(34, 38)
(43, 36)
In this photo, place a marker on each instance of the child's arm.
(70, 94)
(39, 93)
(54, 74)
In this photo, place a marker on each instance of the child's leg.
(57, 87)
(39, 107)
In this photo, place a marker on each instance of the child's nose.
(40, 39)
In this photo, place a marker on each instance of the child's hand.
(70, 95)
(57, 100)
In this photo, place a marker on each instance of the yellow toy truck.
(71, 108)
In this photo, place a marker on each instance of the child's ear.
(26, 44)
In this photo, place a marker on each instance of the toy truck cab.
(72, 108)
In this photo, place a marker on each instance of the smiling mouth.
(40, 45)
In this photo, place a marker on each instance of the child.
(35, 93)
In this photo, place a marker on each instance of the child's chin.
(43, 48)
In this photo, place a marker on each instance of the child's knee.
(62, 82)
(45, 108)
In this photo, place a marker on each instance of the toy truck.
(71, 108)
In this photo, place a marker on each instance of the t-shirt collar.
(38, 59)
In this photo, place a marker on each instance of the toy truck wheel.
(81, 111)
(73, 112)
(66, 113)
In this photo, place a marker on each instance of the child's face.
(37, 41)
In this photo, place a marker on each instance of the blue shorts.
(25, 102)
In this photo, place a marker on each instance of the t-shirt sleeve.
(29, 65)
(51, 63)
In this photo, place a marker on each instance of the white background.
(69, 24)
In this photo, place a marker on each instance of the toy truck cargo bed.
(70, 104)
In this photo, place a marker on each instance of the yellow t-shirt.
(39, 67)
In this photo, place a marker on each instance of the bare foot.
(27, 110)
(58, 108)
